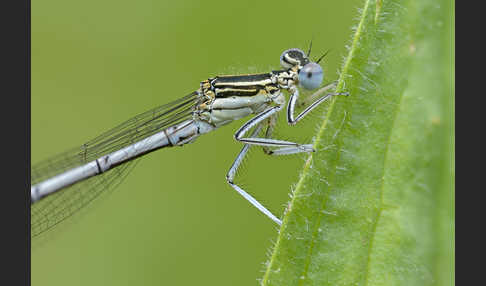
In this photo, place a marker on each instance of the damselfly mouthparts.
(64, 184)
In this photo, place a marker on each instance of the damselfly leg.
(295, 96)
(286, 147)
(266, 141)
(232, 173)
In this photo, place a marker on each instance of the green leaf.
(375, 204)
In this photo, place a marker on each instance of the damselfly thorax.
(231, 97)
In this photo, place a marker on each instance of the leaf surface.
(374, 205)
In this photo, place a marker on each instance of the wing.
(58, 206)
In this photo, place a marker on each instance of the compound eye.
(311, 76)
(293, 57)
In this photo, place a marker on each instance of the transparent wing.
(59, 206)
(56, 207)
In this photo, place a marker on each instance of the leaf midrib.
(380, 207)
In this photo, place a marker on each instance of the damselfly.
(64, 184)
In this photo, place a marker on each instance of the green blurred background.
(174, 220)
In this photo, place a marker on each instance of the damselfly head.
(310, 73)
(311, 76)
(293, 57)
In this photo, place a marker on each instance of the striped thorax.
(231, 97)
